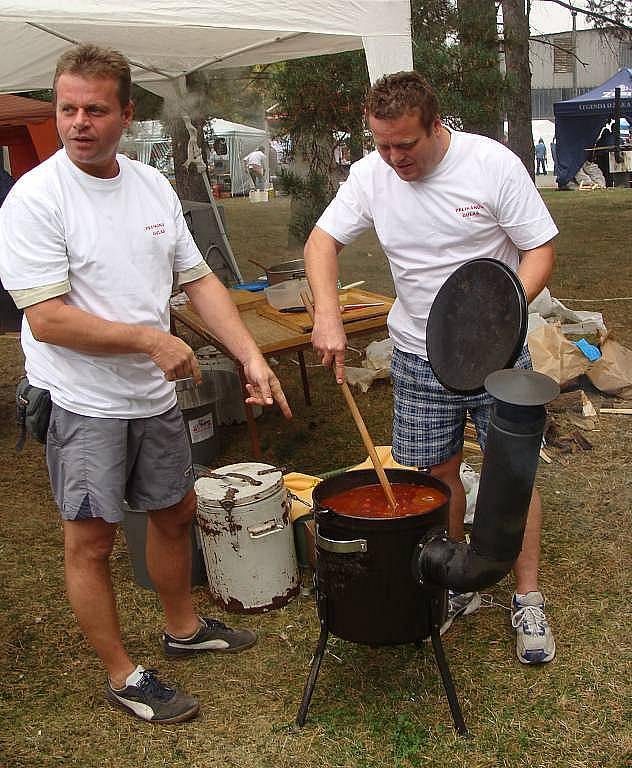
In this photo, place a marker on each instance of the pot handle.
(340, 547)
(265, 529)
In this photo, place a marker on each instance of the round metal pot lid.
(521, 387)
(477, 325)
(241, 483)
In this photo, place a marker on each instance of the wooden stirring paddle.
(359, 421)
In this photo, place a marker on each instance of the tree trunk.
(519, 134)
(189, 183)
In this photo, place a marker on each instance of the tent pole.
(194, 157)
(220, 226)
(616, 128)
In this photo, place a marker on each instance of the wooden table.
(276, 333)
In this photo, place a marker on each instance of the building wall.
(556, 75)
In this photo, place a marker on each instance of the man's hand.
(330, 343)
(174, 356)
(263, 386)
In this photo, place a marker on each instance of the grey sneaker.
(153, 701)
(535, 643)
(460, 604)
(212, 635)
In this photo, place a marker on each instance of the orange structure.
(27, 128)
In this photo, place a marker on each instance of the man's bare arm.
(535, 268)
(219, 313)
(55, 322)
(321, 264)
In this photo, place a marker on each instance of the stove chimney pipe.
(509, 466)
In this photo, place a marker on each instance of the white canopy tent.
(167, 39)
(240, 140)
(147, 142)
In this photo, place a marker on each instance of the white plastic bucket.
(245, 526)
(258, 195)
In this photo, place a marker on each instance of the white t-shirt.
(117, 241)
(256, 157)
(479, 201)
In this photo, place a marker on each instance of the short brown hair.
(393, 96)
(90, 60)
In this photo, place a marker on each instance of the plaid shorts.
(428, 419)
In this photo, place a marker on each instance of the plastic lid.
(477, 325)
(241, 483)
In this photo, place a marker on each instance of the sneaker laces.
(213, 624)
(150, 684)
(533, 619)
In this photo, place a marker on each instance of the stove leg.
(446, 677)
(314, 669)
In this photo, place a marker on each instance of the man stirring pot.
(437, 199)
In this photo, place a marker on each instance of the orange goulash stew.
(370, 501)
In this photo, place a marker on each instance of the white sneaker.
(460, 604)
(535, 643)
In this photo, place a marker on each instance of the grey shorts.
(94, 464)
(428, 420)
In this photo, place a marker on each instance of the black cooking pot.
(363, 565)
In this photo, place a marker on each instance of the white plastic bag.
(379, 355)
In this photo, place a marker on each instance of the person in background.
(437, 199)
(255, 164)
(540, 157)
(553, 149)
(89, 242)
(604, 145)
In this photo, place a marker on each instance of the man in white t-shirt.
(437, 199)
(89, 242)
(255, 164)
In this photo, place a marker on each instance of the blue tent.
(578, 121)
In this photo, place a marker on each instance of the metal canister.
(198, 404)
(230, 399)
(244, 519)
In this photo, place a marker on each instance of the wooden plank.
(273, 337)
(243, 299)
(616, 410)
(572, 401)
(300, 322)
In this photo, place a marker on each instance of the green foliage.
(310, 194)
(45, 94)
(436, 51)
(318, 100)
(232, 94)
(408, 739)
(456, 48)
(147, 105)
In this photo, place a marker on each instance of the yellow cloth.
(384, 454)
(303, 485)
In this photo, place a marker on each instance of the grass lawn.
(372, 707)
